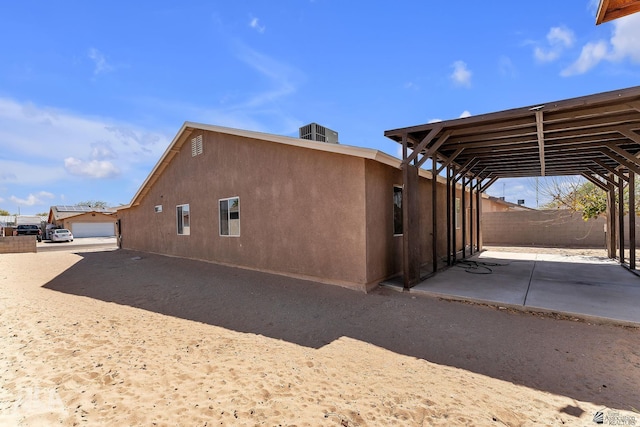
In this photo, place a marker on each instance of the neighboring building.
(498, 204)
(30, 220)
(9, 223)
(83, 221)
(306, 209)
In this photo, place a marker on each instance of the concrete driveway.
(79, 244)
(581, 286)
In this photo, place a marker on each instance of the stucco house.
(83, 221)
(326, 212)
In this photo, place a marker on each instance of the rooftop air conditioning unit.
(315, 132)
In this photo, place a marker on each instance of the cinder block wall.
(546, 228)
(17, 244)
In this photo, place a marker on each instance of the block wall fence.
(17, 244)
(559, 228)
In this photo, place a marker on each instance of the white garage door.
(93, 229)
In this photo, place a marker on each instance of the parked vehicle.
(29, 230)
(61, 235)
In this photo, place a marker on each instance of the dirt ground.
(126, 338)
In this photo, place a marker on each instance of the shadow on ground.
(596, 363)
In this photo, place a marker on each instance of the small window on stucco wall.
(183, 219)
(397, 210)
(196, 146)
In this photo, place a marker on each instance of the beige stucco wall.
(304, 213)
(384, 250)
(301, 210)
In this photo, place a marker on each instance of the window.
(397, 211)
(196, 146)
(158, 208)
(457, 212)
(230, 216)
(183, 219)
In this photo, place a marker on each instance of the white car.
(61, 235)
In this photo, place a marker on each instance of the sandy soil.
(125, 338)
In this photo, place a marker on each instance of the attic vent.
(196, 146)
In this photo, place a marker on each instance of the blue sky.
(91, 93)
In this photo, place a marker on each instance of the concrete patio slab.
(580, 286)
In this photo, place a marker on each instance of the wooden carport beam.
(629, 165)
(595, 181)
(540, 131)
(434, 148)
(450, 160)
(423, 144)
(631, 135)
(632, 221)
(488, 184)
(606, 178)
(624, 153)
(465, 168)
(610, 169)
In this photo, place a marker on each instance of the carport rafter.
(596, 181)
(622, 162)
(616, 172)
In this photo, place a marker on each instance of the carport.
(594, 136)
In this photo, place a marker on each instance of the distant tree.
(4, 213)
(93, 204)
(580, 195)
(43, 213)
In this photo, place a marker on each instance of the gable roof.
(188, 128)
(65, 211)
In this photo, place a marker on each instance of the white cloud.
(92, 168)
(560, 36)
(32, 199)
(624, 44)
(411, 86)
(37, 143)
(465, 114)
(558, 39)
(283, 78)
(255, 24)
(625, 41)
(543, 55)
(461, 75)
(591, 55)
(100, 62)
(102, 151)
(506, 67)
